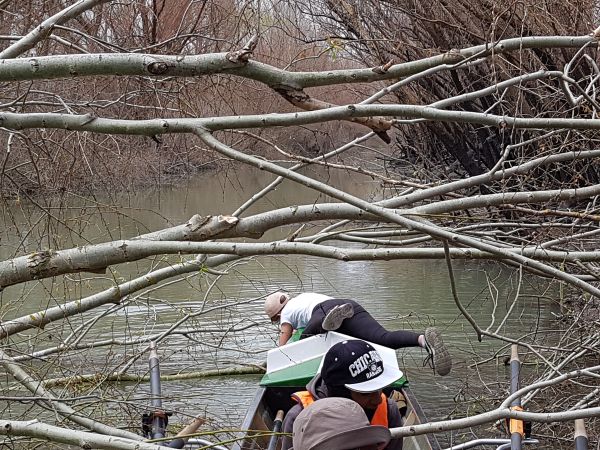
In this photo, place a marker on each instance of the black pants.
(361, 326)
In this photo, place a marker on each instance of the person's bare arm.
(285, 333)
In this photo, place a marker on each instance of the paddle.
(277, 423)
(179, 442)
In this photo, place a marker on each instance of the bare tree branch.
(43, 30)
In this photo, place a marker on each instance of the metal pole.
(158, 415)
(516, 427)
(581, 439)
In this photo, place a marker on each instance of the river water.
(409, 294)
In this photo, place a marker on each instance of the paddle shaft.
(277, 424)
(581, 439)
(516, 426)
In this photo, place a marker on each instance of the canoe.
(291, 367)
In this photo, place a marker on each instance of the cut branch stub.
(198, 228)
(242, 56)
(158, 67)
(452, 56)
(383, 68)
(40, 264)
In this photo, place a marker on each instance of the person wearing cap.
(321, 427)
(354, 370)
(317, 313)
(292, 313)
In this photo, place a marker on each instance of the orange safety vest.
(380, 417)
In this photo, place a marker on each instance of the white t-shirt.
(297, 310)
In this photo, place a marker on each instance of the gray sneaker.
(334, 318)
(438, 356)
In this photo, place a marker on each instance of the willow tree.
(81, 91)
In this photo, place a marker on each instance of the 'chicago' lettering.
(363, 362)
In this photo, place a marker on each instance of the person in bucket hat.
(321, 427)
(354, 370)
(318, 313)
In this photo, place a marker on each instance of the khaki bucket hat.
(336, 423)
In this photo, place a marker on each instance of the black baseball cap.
(356, 365)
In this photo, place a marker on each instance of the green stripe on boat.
(297, 362)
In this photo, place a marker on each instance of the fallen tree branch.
(156, 127)
(393, 216)
(81, 439)
(120, 377)
(302, 100)
(36, 388)
(504, 412)
(91, 258)
(68, 66)
(43, 30)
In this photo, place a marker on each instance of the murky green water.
(402, 294)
